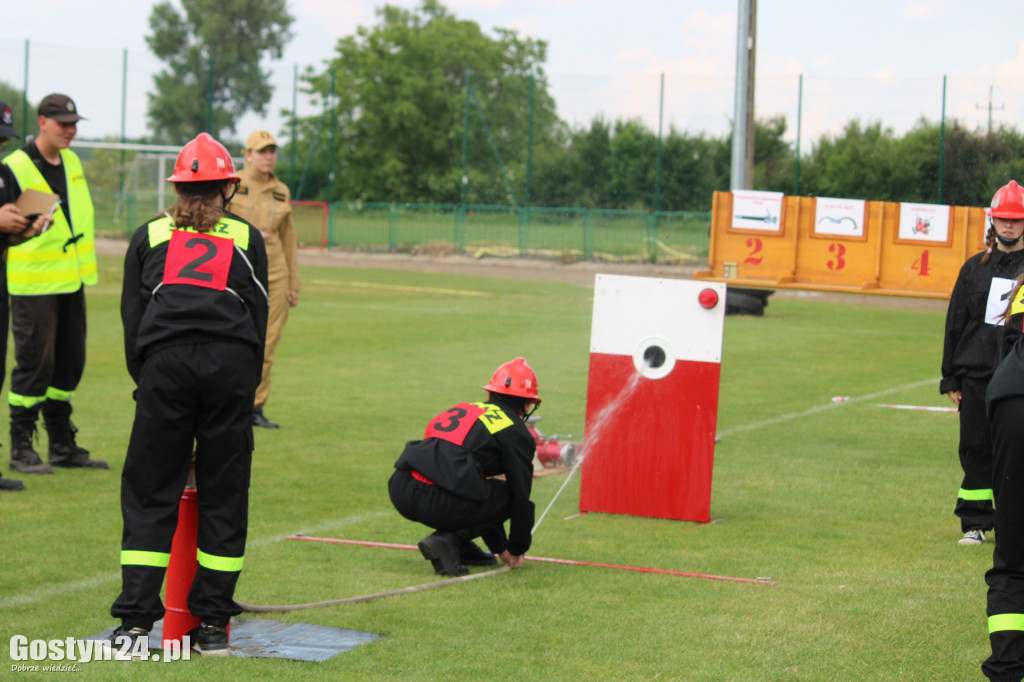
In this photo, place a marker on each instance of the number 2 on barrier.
(755, 244)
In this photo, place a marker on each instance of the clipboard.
(32, 203)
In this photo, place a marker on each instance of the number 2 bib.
(201, 260)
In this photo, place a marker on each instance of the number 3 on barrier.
(921, 265)
(839, 250)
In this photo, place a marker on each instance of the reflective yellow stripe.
(24, 400)
(494, 419)
(976, 495)
(238, 232)
(1006, 621)
(219, 563)
(1018, 303)
(57, 394)
(132, 557)
(49, 264)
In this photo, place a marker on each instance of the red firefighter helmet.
(204, 160)
(1008, 202)
(515, 377)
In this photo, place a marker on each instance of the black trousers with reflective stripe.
(975, 456)
(1006, 577)
(435, 507)
(191, 396)
(49, 350)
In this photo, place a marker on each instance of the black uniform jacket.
(971, 345)
(470, 442)
(182, 286)
(1008, 381)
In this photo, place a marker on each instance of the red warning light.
(708, 299)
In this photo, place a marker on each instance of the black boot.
(11, 484)
(260, 419)
(64, 451)
(470, 554)
(24, 458)
(442, 549)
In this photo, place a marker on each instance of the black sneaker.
(442, 549)
(210, 640)
(125, 640)
(260, 420)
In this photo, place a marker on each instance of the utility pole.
(1000, 108)
(742, 171)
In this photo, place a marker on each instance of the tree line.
(425, 107)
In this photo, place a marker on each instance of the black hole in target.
(654, 357)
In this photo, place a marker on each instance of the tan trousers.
(275, 323)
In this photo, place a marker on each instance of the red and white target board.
(652, 397)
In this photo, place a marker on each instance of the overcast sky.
(876, 60)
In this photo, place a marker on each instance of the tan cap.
(261, 139)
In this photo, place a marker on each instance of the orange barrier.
(797, 248)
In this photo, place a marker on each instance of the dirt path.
(525, 268)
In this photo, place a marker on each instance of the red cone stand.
(181, 570)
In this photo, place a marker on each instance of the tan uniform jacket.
(267, 205)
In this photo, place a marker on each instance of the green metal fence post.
(24, 98)
(588, 236)
(465, 145)
(392, 228)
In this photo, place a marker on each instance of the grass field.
(846, 506)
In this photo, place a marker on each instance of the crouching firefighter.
(447, 480)
(194, 307)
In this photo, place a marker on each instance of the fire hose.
(252, 608)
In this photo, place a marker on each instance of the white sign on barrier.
(839, 217)
(753, 210)
(924, 223)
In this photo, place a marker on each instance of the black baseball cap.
(7, 122)
(60, 108)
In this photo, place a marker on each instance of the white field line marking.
(103, 579)
(822, 408)
(407, 288)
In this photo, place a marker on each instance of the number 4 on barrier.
(921, 265)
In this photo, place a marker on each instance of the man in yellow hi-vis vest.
(46, 277)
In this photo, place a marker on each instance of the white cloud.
(923, 9)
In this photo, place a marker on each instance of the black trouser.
(435, 507)
(5, 314)
(49, 351)
(1006, 577)
(974, 501)
(197, 394)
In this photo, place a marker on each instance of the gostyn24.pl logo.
(65, 654)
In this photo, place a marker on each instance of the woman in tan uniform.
(263, 200)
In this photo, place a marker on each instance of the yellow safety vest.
(54, 262)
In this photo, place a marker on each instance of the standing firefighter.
(194, 308)
(13, 227)
(46, 278)
(264, 201)
(971, 352)
(446, 481)
(1005, 401)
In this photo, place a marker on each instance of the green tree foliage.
(399, 104)
(212, 49)
(14, 98)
